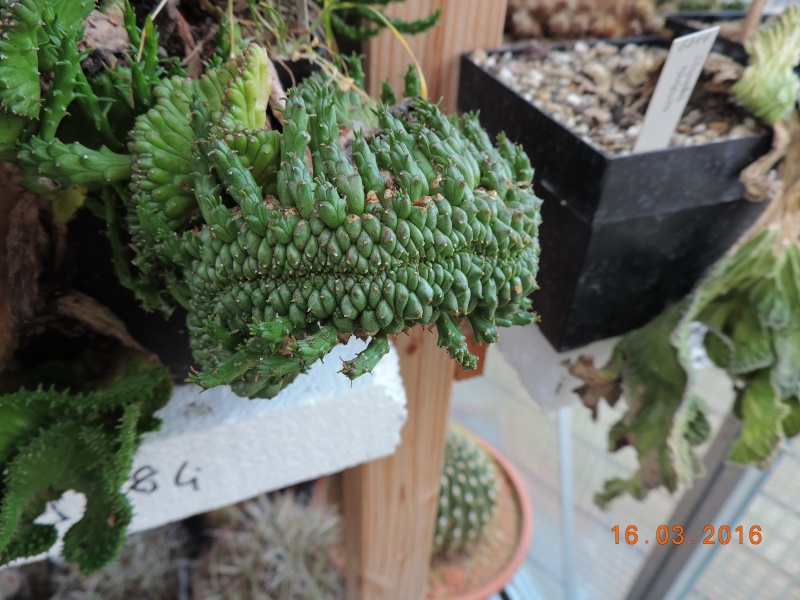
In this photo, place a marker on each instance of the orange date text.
(664, 534)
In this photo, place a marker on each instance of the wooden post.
(464, 25)
(753, 18)
(389, 505)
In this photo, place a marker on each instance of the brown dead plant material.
(598, 384)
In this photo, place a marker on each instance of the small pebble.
(633, 132)
(573, 87)
(574, 100)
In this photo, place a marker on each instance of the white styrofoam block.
(541, 369)
(215, 448)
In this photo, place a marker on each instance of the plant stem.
(302, 11)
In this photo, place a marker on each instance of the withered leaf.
(598, 383)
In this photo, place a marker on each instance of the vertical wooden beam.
(753, 18)
(389, 505)
(464, 25)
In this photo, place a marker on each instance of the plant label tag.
(683, 66)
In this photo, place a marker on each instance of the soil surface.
(601, 92)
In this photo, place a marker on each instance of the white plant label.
(685, 61)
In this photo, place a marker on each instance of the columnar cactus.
(468, 495)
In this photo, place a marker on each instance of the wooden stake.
(389, 505)
(753, 18)
(464, 25)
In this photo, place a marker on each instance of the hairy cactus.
(468, 495)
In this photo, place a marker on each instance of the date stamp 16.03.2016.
(676, 535)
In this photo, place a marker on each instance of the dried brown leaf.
(92, 318)
(598, 384)
(105, 31)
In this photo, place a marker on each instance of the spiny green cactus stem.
(53, 441)
(419, 220)
(30, 36)
(424, 221)
(468, 495)
(39, 42)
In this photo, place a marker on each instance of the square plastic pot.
(622, 236)
(681, 23)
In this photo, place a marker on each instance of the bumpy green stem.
(67, 164)
(367, 359)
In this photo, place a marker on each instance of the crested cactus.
(352, 219)
(419, 219)
(277, 260)
(468, 495)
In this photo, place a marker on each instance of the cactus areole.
(281, 244)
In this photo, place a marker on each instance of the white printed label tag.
(683, 67)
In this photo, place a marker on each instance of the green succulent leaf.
(762, 413)
(769, 85)
(54, 441)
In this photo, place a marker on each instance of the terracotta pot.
(327, 490)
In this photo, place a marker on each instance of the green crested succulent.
(747, 310)
(468, 495)
(351, 219)
(418, 220)
(769, 85)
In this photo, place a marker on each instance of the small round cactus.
(468, 495)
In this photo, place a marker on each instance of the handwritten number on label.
(179, 477)
(54, 508)
(144, 480)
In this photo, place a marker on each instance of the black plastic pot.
(623, 236)
(681, 23)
